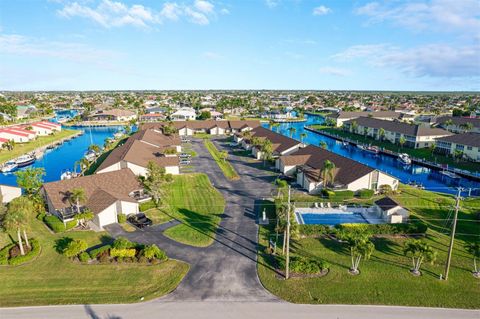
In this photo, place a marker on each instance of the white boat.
(68, 175)
(371, 149)
(9, 166)
(118, 135)
(361, 147)
(344, 143)
(90, 156)
(25, 160)
(404, 158)
(450, 174)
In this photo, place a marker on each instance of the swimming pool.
(330, 219)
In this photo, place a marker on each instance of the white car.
(184, 162)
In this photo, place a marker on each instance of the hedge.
(119, 252)
(71, 224)
(314, 230)
(305, 265)
(29, 256)
(4, 254)
(84, 257)
(97, 251)
(147, 205)
(365, 193)
(54, 223)
(414, 227)
(122, 218)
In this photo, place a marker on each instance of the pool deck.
(370, 217)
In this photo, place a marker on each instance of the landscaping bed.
(224, 165)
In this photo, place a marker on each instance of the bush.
(75, 247)
(414, 227)
(122, 243)
(385, 189)
(304, 265)
(326, 193)
(344, 195)
(104, 257)
(84, 257)
(365, 193)
(54, 223)
(147, 205)
(152, 251)
(4, 253)
(122, 218)
(314, 230)
(41, 216)
(97, 251)
(34, 251)
(71, 224)
(125, 252)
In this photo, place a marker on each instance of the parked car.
(185, 140)
(185, 155)
(185, 162)
(139, 220)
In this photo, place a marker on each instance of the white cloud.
(272, 3)
(437, 15)
(329, 70)
(225, 11)
(433, 60)
(110, 13)
(321, 11)
(212, 55)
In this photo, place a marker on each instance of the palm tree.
(474, 250)
(419, 251)
(77, 196)
(267, 151)
(302, 136)
(276, 125)
(84, 164)
(328, 173)
(323, 145)
(94, 148)
(402, 141)
(354, 127)
(26, 208)
(14, 220)
(467, 126)
(381, 133)
(360, 247)
(432, 147)
(224, 155)
(292, 131)
(270, 124)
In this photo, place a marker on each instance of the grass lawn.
(421, 153)
(225, 166)
(385, 278)
(197, 204)
(54, 279)
(93, 167)
(23, 148)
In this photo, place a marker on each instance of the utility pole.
(287, 261)
(452, 235)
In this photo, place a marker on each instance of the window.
(469, 148)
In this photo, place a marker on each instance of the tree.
(77, 196)
(467, 126)
(13, 221)
(419, 251)
(281, 187)
(94, 148)
(381, 133)
(474, 250)
(84, 216)
(224, 155)
(169, 129)
(26, 208)
(458, 154)
(360, 247)
(267, 150)
(354, 126)
(448, 123)
(152, 251)
(9, 145)
(156, 180)
(402, 141)
(30, 179)
(75, 247)
(292, 131)
(127, 129)
(432, 147)
(276, 126)
(328, 173)
(323, 145)
(302, 136)
(205, 115)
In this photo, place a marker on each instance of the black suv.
(140, 220)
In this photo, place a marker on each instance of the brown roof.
(469, 139)
(157, 138)
(457, 120)
(101, 190)
(115, 112)
(313, 157)
(378, 114)
(208, 124)
(386, 203)
(399, 127)
(280, 143)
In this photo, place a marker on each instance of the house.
(30, 133)
(308, 166)
(281, 144)
(152, 117)
(340, 117)
(466, 144)
(237, 126)
(189, 128)
(24, 111)
(41, 129)
(390, 211)
(9, 192)
(106, 196)
(459, 124)
(114, 115)
(414, 135)
(184, 114)
(17, 137)
(158, 139)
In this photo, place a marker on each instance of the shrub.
(152, 251)
(34, 251)
(97, 251)
(75, 247)
(365, 193)
(315, 230)
(122, 218)
(103, 257)
(414, 227)
(84, 257)
(327, 193)
(147, 205)
(41, 216)
(54, 223)
(122, 243)
(71, 224)
(123, 252)
(305, 265)
(385, 189)
(344, 195)
(4, 253)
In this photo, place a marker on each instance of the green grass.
(53, 279)
(192, 200)
(94, 166)
(225, 166)
(421, 153)
(385, 278)
(203, 135)
(23, 148)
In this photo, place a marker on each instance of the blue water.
(430, 179)
(332, 218)
(64, 157)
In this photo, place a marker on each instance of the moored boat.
(25, 160)
(9, 166)
(371, 149)
(404, 158)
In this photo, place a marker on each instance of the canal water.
(63, 158)
(430, 179)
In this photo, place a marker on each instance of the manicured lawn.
(192, 200)
(23, 148)
(422, 153)
(385, 278)
(54, 279)
(225, 166)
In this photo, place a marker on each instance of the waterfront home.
(24, 111)
(281, 144)
(114, 115)
(457, 124)
(158, 139)
(9, 192)
(414, 135)
(106, 196)
(221, 127)
(466, 145)
(184, 114)
(390, 211)
(341, 117)
(152, 117)
(41, 129)
(24, 130)
(15, 136)
(308, 165)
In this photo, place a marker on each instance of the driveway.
(226, 270)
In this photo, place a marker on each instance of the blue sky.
(242, 44)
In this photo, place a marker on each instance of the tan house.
(457, 124)
(114, 115)
(341, 117)
(390, 211)
(466, 144)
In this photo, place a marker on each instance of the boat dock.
(419, 161)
